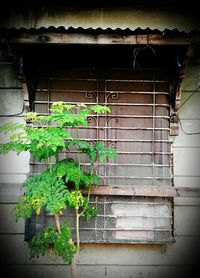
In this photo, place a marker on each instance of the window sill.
(149, 191)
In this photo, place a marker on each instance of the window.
(137, 127)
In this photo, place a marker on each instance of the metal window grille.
(138, 128)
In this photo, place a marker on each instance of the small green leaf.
(100, 109)
(87, 216)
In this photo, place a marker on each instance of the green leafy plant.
(62, 183)
(49, 240)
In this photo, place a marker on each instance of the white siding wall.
(13, 168)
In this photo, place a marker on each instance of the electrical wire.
(176, 115)
(181, 125)
(14, 115)
(136, 52)
(196, 90)
(185, 132)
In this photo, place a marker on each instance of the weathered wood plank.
(10, 193)
(187, 220)
(7, 220)
(151, 191)
(186, 201)
(188, 192)
(172, 254)
(12, 178)
(91, 271)
(187, 161)
(187, 181)
(78, 38)
(184, 252)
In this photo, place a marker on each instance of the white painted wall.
(187, 147)
(13, 167)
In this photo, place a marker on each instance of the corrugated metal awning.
(121, 31)
(99, 35)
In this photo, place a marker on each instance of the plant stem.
(89, 189)
(77, 229)
(57, 222)
(78, 153)
(74, 261)
(73, 268)
(88, 200)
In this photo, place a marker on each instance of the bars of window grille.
(123, 219)
(137, 126)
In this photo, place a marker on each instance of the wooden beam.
(79, 38)
(149, 191)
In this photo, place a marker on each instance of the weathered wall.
(180, 259)
(13, 168)
(176, 260)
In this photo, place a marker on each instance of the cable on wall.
(177, 117)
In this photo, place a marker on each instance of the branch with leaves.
(61, 184)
